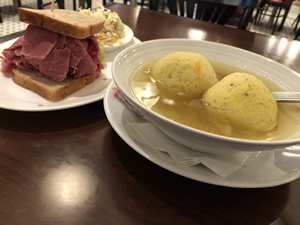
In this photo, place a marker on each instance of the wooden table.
(70, 167)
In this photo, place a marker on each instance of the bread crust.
(70, 23)
(48, 88)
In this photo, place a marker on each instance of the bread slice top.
(70, 23)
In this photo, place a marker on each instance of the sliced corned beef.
(21, 62)
(55, 65)
(18, 51)
(95, 53)
(53, 54)
(86, 66)
(9, 53)
(16, 44)
(5, 64)
(38, 42)
(61, 42)
(93, 49)
(79, 50)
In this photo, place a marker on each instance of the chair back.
(215, 11)
(280, 2)
(287, 2)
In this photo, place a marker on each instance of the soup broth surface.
(191, 112)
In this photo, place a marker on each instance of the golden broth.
(191, 112)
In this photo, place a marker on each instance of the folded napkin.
(221, 164)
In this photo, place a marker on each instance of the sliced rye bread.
(70, 23)
(47, 87)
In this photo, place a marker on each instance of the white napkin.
(221, 164)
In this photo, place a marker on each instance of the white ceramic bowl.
(130, 58)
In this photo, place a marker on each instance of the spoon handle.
(287, 96)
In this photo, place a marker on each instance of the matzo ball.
(184, 73)
(244, 101)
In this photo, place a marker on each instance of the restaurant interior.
(100, 154)
(263, 24)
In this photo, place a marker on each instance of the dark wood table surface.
(70, 167)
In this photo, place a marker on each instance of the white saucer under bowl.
(271, 168)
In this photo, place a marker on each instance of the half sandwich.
(58, 53)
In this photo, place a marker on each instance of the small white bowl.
(130, 58)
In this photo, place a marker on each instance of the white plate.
(14, 97)
(128, 37)
(271, 168)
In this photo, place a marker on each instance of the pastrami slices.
(53, 54)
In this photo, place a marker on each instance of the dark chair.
(276, 7)
(296, 22)
(41, 5)
(297, 34)
(13, 8)
(142, 3)
(296, 29)
(85, 4)
(215, 11)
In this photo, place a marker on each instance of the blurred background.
(259, 23)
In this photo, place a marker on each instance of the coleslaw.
(113, 30)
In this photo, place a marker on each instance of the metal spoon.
(287, 96)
